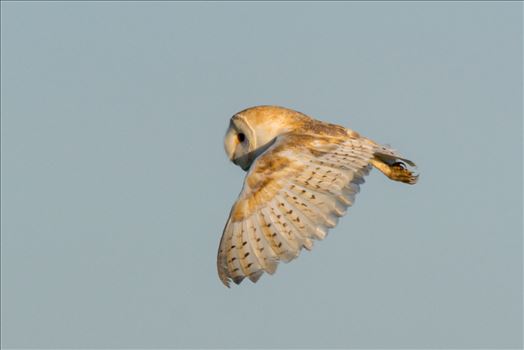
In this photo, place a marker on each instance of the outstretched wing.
(293, 193)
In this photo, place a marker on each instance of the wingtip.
(254, 277)
(237, 280)
(225, 281)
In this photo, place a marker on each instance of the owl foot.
(397, 171)
(400, 172)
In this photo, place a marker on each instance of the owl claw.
(401, 165)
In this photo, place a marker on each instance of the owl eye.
(241, 137)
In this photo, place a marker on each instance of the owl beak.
(235, 161)
(244, 161)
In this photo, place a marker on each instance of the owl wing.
(293, 193)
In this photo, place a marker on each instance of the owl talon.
(401, 165)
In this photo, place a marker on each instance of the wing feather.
(233, 258)
(318, 205)
(300, 221)
(293, 193)
(295, 230)
(267, 230)
(249, 258)
(259, 246)
(290, 248)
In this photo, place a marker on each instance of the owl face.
(240, 142)
(252, 131)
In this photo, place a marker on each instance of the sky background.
(115, 185)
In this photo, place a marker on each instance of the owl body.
(302, 175)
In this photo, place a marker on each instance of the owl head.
(253, 130)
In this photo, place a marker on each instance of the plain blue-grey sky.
(115, 185)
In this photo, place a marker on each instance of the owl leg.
(396, 171)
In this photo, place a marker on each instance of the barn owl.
(302, 175)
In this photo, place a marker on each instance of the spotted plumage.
(302, 175)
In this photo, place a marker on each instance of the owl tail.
(394, 167)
